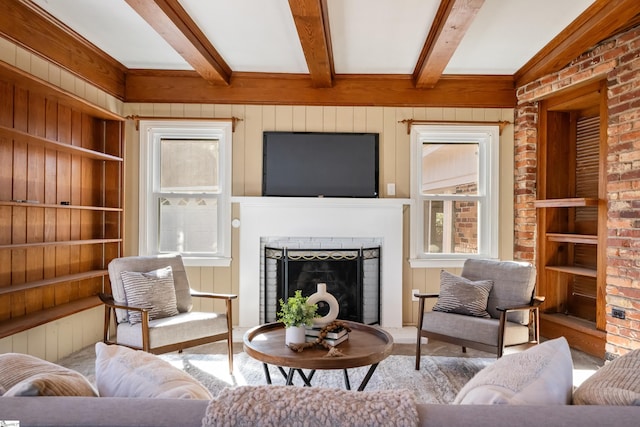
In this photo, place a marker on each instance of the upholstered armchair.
(151, 308)
(490, 306)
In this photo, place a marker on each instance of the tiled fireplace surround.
(347, 223)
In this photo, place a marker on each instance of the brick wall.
(618, 61)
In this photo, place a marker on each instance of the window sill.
(206, 261)
(442, 262)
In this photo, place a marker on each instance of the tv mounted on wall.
(320, 164)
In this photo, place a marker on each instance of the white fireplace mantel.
(320, 217)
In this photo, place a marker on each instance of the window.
(454, 190)
(185, 189)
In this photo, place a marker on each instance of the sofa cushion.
(463, 296)
(616, 383)
(124, 372)
(153, 290)
(26, 375)
(540, 375)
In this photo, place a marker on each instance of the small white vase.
(294, 335)
(324, 296)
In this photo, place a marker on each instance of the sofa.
(530, 388)
(117, 412)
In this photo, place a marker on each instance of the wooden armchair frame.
(498, 349)
(110, 306)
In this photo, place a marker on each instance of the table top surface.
(366, 345)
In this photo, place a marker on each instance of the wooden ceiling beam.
(603, 19)
(29, 26)
(452, 20)
(174, 24)
(310, 17)
(296, 89)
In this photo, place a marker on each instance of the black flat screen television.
(320, 164)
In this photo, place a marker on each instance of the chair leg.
(230, 335)
(418, 351)
(419, 336)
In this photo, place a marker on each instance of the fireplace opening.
(352, 276)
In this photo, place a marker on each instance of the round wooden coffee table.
(366, 346)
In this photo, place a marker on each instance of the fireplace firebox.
(352, 276)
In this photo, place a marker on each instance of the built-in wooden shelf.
(54, 280)
(28, 321)
(60, 243)
(49, 205)
(61, 200)
(11, 134)
(587, 239)
(32, 83)
(566, 203)
(580, 271)
(581, 334)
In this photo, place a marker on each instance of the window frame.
(488, 139)
(151, 133)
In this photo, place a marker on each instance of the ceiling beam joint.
(312, 24)
(453, 19)
(173, 23)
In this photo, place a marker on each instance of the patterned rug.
(438, 381)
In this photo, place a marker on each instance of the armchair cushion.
(153, 290)
(513, 284)
(144, 264)
(540, 375)
(463, 296)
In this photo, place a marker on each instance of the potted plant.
(296, 313)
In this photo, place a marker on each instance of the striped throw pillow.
(463, 296)
(153, 290)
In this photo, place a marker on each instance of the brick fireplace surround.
(618, 61)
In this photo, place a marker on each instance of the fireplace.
(350, 275)
(324, 223)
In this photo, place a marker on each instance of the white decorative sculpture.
(334, 307)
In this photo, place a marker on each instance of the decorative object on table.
(322, 295)
(296, 313)
(322, 340)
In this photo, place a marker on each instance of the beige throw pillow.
(463, 296)
(540, 375)
(26, 375)
(153, 290)
(124, 372)
(616, 383)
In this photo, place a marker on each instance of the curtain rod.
(502, 124)
(233, 120)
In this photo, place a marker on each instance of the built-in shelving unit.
(572, 214)
(61, 201)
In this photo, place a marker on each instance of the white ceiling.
(367, 36)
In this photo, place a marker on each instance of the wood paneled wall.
(247, 169)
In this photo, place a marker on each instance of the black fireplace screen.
(352, 276)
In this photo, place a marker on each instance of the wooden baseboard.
(581, 334)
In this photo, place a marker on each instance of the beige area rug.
(438, 381)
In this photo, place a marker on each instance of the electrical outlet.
(618, 313)
(413, 292)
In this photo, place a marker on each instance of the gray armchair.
(175, 329)
(512, 308)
